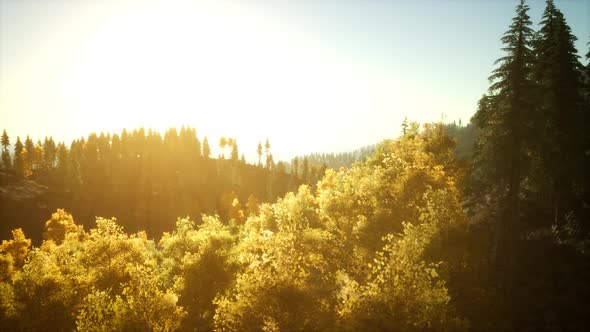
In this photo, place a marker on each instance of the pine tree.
(269, 160)
(206, 148)
(259, 152)
(305, 171)
(504, 119)
(62, 164)
(197, 143)
(18, 161)
(405, 126)
(234, 150)
(564, 129)
(50, 154)
(295, 167)
(6, 161)
(281, 168)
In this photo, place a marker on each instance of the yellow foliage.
(60, 224)
(18, 247)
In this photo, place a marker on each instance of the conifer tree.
(197, 143)
(564, 129)
(49, 154)
(234, 150)
(504, 119)
(38, 156)
(259, 152)
(405, 126)
(281, 168)
(206, 148)
(62, 163)
(269, 160)
(295, 167)
(305, 170)
(18, 161)
(6, 162)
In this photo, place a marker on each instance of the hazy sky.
(312, 76)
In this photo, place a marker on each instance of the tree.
(259, 152)
(62, 163)
(6, 161)
(30, 155)
(268, 154)
(18, 161)
(234, 150)
(564, 130)
(25, 169)
(18, 247)
(5, 140)
(295, 167)
(281, 168)
(222, 144)
(37, 162)
(252, 206)
(269, 162)
(49, 154)
(206, 148)
(505, 119)
(305, 171)
(60, 224)
(405, 126)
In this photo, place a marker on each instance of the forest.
(448, 227)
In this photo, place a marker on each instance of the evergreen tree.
(206, 148)
(281, 168)
(62, 163)
(504, 119)
(305, 170)
(5, 140)
(405, 126)
(38, 156)
(259, 152)
(18, 161)
(234, 150)
(49, 154)
(295, 166)
(6, 162)
(269, 160)
(197, 143)
(564, 129)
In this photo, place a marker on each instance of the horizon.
(251, 70)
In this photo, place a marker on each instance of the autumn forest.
(483, 226)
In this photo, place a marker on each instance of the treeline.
(144, 178)
(371, 248)
(330, 160)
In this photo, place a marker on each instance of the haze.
(310, 75)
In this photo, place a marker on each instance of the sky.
(309, 75)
